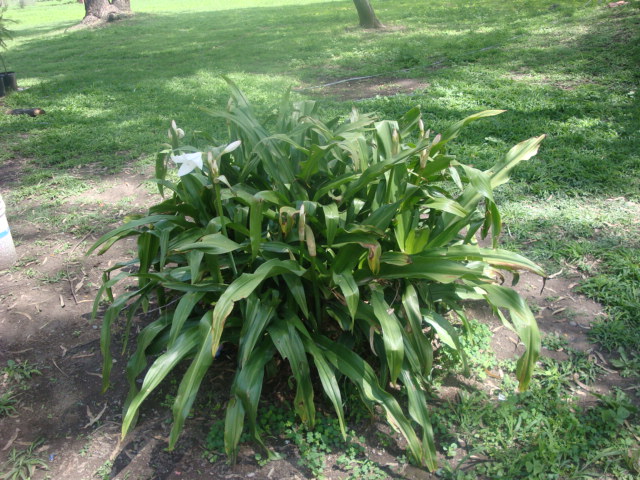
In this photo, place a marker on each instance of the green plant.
(361, 468)
(331, 245)
(629, 365)
(553, 341)
(104, 472)
(20, 371)
(475, 342)
(7, 404)
(615, 286)
(21, 464)
(524, 435)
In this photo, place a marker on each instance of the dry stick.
(11, 440)
(82, 240)
(73, 293)
(56, 365)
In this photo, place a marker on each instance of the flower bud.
(395, 137)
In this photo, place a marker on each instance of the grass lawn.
(570, 70)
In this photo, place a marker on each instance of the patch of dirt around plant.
(45, 320)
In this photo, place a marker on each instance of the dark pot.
(10, 81)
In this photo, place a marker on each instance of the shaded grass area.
(562, 70)
(599, 238)
(569, 70)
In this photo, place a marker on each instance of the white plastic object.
(7, 249)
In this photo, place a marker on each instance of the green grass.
(524, 436)
(110, 93)
(568, 69)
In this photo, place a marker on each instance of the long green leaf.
(349, 288)
(363, 376)
(419, 412)
(215, 244)
(138, 361)
(182, 312)
(525, 325)
(131, 226)
(429, 268)
(453, 131)
(288, 342)
(447, 335)
(244, 286)
(421, 343)
(255, 227)
(257, 316)
(191, 380)
(163, 365)
(246, 388)
(446, 205)
(391, 334)
(110, 316)
(331, 219)
(233, 426)
(496, 257)
(328, 380)
(297, 291)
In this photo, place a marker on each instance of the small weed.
(104, 472)
(476, 343)
(30, 273)
(313, 445)
(629, 365)
(85, 449)
(23, 262)
(7, 404)
(535, 308)
(62, 248)
(554, 341)
(582, 366)
(53, 278)
(21, 464)
(358, 469)
(260, 460)
(616, 408)
(383, 439)
(19, 371)
(579, 366)
(214, 443)
(451, 450)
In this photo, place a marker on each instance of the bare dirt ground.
(45, 320)
(358, 88)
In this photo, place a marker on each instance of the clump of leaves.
(7, 404)
(19, 371)
(21, 464)
(341, 247)
(628, 364)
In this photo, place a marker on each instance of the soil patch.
(45, 320)
(360, 89)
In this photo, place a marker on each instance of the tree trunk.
(366, 14)
(97, 11)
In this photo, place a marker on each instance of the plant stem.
(220, 212)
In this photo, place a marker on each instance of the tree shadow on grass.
(117, 88)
